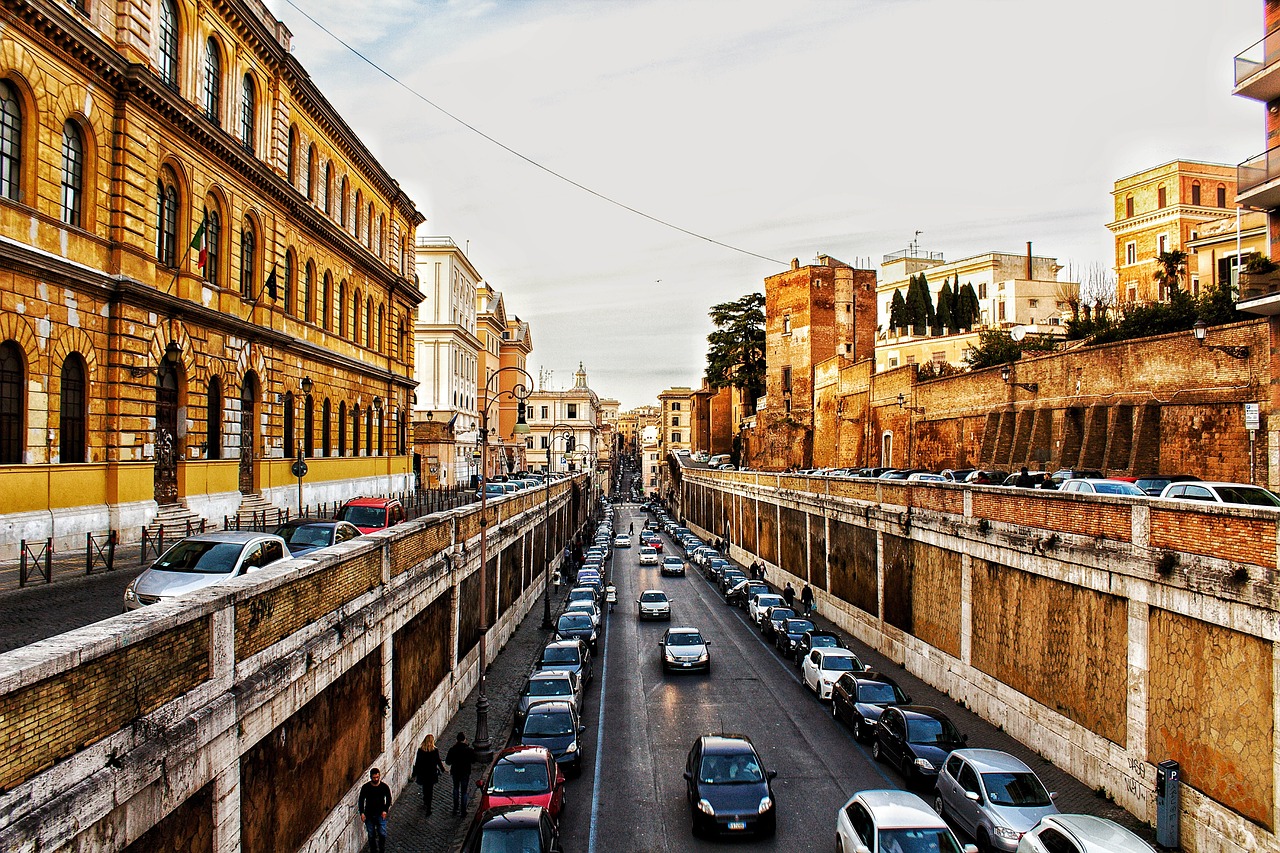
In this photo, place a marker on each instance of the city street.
(43, 611)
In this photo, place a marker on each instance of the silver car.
(1080, 833)
(201, 561)
(653, 604)
(992, 796)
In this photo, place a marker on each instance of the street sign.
(1252, 416)
(475, 454)
(299, 468)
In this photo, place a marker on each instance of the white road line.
(595, 776)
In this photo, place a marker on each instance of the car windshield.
(1246, 495)
(838, 663)
(823, 641)
(1117, 489)
(364, 516)
(779, 614)
(918, 841)
(566, 654)
(673, 561)
(306, 535)
(548, 725)
(509, 778)
(685, 639)
(1015, 789)
(582, 595)
(730, 769)
(644, 552)
(929, 731)
(206, 558)
(768, 600)
(574, 622)
(549, 687)
(524, 840)
(797, 626)
(651, 597)
(876, 692)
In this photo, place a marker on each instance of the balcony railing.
(1255, 285)
(1256, 173)
(1262, 55)
(436, 243)
(912, 253)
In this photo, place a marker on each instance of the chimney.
(795, 263)
(1028, 260)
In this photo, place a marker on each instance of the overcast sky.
(783, 128)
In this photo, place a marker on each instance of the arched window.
(304, 171)
(1222, 195)
(326, 203)
(72, 174)
(213, 81)
(326, 429)
(342, 203)
(357, 312)
(1195, 193)
(291, 166)
(368, 323)
(313, 164)
(342, 310)
(308, 292)
(342, 428)
(368, 431)
(326, 302)
(290, 449)
(13, 404)
(355, 215)
(213, 419)
(355, 430)
(368, 227)
(377, 330)
(248, 252)
(309, 426)
(167, 219)
(289, 290)
(381, 433)
(379, 235)
(72, 444)
(10, 142)
(248, 112)
(402, 426)
(168, 43)
(213, 244)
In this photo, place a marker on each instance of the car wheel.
(694, 827)
(939, 807)
(984, 843)
(876, 752)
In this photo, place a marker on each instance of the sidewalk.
(70, 564)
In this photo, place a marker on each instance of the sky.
(784, 129)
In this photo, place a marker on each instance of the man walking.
(789, 595)
(460, 759)
(375, 799)
(806, 600)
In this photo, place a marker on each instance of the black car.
(554, 724)
(729, 577)
(522, 828)
(304, 535)
(728, 789)
(740, 592)
(916, 739)
(577, 625)
(787, 638)
(772, 621)
(858, 699)
(811, 640)
(569, 655)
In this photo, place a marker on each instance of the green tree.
(943, 321)
(1218, 305)
(965, 313)
(1170, 268)
(735, 357)
(919, 305)
(996, 346)
(898, 311)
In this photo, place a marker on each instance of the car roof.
(297, 522)
(899, 809)
(512, 816)
(683, 630)
(918, 711)
(726, 742)
(663, 591)
(548, 674)
(559, 644)
(524, 754)
(552, 706)
(379, 502)
(836, 652)
(993, 761)
(1099, 835)
(236, 536)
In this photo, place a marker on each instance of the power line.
(523, 157)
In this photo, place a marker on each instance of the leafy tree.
(965, 313)
(942, 320)
(735, 357)
(1170, 268)
(1218, 305)
(995, 346)
(898, 311)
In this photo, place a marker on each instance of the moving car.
(1239, 494)
(897, 821)
(304, 535)
(370, 514)
(523, 776)
(568, 656)
(1080, 833)
(672, 565)
(727, 787)
(684, 649)
(202, 561)
(554, 724)
(653, 604)
(622, 540)
(992, 796)
(859, 698)
(823, 666)
(515, 828)
(916, 739)
(648, 556)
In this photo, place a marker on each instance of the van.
(718, 460)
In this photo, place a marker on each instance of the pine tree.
(898, 311)
(967, 312)
(945, 323)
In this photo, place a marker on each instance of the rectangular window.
(1000, 310)
(1195, 285)
(543, 443)
(1195, 194)
(573, 410)
(982, 290)
(786, 380)
(675, 407)
(544, 413)
(786, 324)
(1162, 244)
(1131, 293)
(939, 358)
(911, 359)
(1130, 253)
(1222, 196)
(1032, 303)
(675, 437)
(1160, 197)
(675, 420)
(1128, 207)
(893, 361)
(1227, 269)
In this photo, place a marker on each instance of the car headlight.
(924, 764)
(129, 593)
(766, 803)
(703, 656)
(705, 807)
(1008, 834)
(573, 747)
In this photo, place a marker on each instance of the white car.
(203, 560)
(1080, 833)
(759, 605)
(1240, 494)
(622, 540)
(672, 565)
(588, 607)
(653, 604)
(823, 666)
(648, 556)
(884, 821)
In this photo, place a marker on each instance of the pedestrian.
(1024, 480)
(375, 799)
(427, 768)
(460, 759)
(806, 599)
(789, 595)
(983, 479)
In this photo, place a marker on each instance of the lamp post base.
(484, 750)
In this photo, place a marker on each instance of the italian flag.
(198, 242)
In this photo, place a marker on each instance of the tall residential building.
(677, 425)
(1161, 209)
(446, 361)
(505, 342)
(564, 428)
(205, 273)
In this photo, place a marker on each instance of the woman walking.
(427, 768)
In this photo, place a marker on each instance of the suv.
(201, 561)
(370, 514)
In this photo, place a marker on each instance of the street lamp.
(1006, 372)
(566, 432)
(519, 392)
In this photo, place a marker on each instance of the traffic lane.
(651, 720)
(36, 613)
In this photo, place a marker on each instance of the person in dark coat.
(460, 759)
(374, 801)
(806, 599)
(789, 595)
(1024, 480)
(427, 768)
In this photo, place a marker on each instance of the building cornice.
(1171, 213)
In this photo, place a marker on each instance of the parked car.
(757, 606)
(522, 828)
(567, 655)
(729, 577)
(549, 684)
(684, 649)
(926, 477)
(202, 561)
(787, 640)
(523, 776)
(811, 640)
(1238, 494)
(727, 787)
(1080, 833)
(577, 625)
(740, 592)
(370, 514)
(986, 477)
(653, 604)
(672, 565)
(1153, 484)
(823, 666)
(1063, 474)
(772, 622)
(589, 608)
(916, 739)
(891, 820)
(304, 535)
(859, 698)
(648, 556)
(554, 724)
(992, 796)
(583, 593)
(1090, 486)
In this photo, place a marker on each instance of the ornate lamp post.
(566, 432)
(519, 392)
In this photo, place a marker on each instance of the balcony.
(1258, 181)
(1257, 70)
(1259, 293)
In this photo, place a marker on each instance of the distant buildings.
(677, 420)
(565, 428)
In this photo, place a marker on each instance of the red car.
(652, 540)
(523, 776)
(370, 514)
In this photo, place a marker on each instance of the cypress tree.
(967, 313)
(945, 322)
(898, 311)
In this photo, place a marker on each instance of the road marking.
(595, 780)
